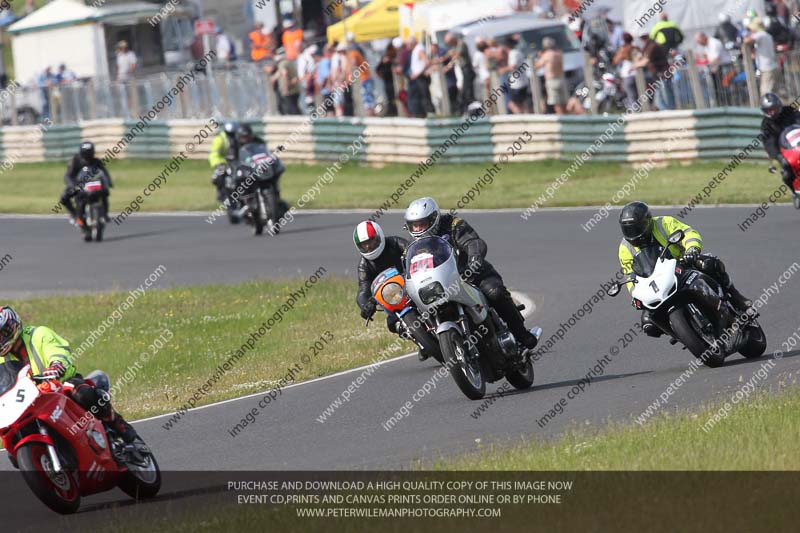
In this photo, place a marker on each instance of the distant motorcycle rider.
(777, 117)
(423, 218)
(84, 158)
(641, 229)
(224, 148)
(49, 356)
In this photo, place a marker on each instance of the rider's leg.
(95, 399)
(496, 292)
(714, 267)
(66, 201)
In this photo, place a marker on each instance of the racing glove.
(368, 309)
(691, 255)
(55, 371)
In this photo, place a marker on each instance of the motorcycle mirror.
(613, 290)
(676, 237)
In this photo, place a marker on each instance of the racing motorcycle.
(790, 149)
(388, 289)
(475, 342)
(62, 451)
(90, 198)
(690, 306)
(257, 183)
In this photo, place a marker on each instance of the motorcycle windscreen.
(258, 159)
(8, 375)
(644, 263)
(426, 254)
(790, 137)
(382, 277)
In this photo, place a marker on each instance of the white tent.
(691, 15)
(70, 32)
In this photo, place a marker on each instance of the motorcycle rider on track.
(378, 253)
(224, 148)
(84, 158)
(777, 117)
(423, 218)
(49, 356)
(640, 229)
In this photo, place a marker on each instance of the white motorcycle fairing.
(653, 291)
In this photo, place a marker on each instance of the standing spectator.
(307, 65)
(359, 69)
(519, 95)
(225, 50)
(418, 88)
(384, 72)
(440, 56)
(402, 69)
(765, 56)
(719, 64)
(727, 32)
(667, 33)
(551, 59)
(654, 58)
(323, 83)
(46, 81)
(65, 75)
(338, 77)
(461, 60)
(261, 43)
(625, 59)
(126, 61)
(288, 85)
(480, 63)
(291, 39)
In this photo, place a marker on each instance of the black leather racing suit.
(771, 128)
(368, 270)
(469, 245)
(71, 184)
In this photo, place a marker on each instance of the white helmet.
(10, 329)
(422, 217)
(369, 240)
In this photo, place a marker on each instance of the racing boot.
(531, 338)
(739, 301)
(124, 429)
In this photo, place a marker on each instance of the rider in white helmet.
(423, 218)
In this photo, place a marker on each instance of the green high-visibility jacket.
(663, 227)
(44, 347)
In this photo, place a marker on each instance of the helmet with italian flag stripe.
(369, 240)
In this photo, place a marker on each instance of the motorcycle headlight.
(431, 293)
(392, 293)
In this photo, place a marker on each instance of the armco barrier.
(704, 134)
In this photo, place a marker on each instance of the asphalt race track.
(549, 258)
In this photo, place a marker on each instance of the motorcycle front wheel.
(688, 336)
(58, 491)
(521, 377)
(467, 375)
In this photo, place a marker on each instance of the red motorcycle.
(790, 149)
(62, 451)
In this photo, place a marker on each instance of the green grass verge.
(759, 434)
(208, 324)
(37, 187)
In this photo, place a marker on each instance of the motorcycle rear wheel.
(470, 380)
(61, 495)
(688, 336)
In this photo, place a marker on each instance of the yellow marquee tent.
(377, 20)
